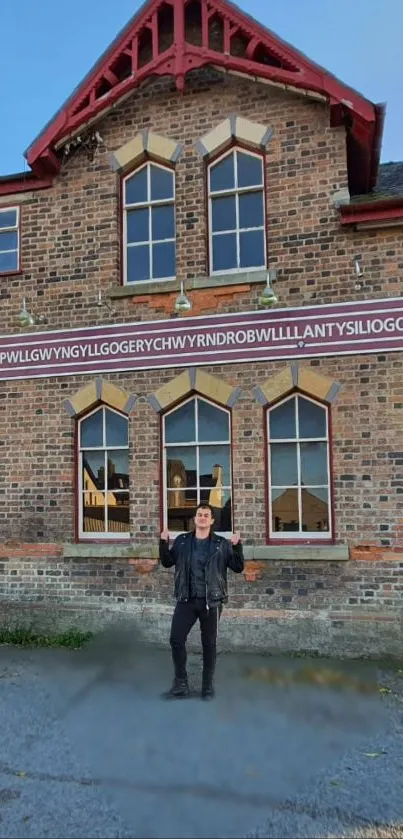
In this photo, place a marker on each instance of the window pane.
(138, 263)
(250, 170)
(284, 511)
(163, 222)
(9, 241)
(164, 260)
(214, 464)
(162, 183)
(282, 421)
(118, 512)
(137, 225)
(251, 209)
(92, 431)
(181, 469)
(93, 512)
(224, 251)
(223, 214)
(136, 187)
(221, 503)
(251, 249)
(118, 469)
(93, 476)
(314, 463)
(181, 517)
(180, 425)
(8, 261)
(312, 419)
(284, 470)
(213, 423)
(8, 218)
(222, 175)
(116, 429)
(315, 510)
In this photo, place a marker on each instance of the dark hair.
(205, 506)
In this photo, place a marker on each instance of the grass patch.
(74, 639)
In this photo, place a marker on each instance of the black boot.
(179, 689)
(208, 691)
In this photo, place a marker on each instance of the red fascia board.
(57, 125)
(23, 183)
(308, 79)
(326, 83)
(312, 76)
(382, 210)
(160, 67)
(164, 65)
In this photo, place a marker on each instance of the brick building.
(203, 149)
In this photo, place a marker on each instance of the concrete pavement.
(89, 748)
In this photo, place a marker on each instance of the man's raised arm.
(167, 554)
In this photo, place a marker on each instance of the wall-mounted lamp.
(102, 302)
(182, 302)
(26, 318)
(268, 297)
(358, 273)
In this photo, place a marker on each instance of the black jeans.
(184, 617)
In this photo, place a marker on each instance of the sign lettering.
(336, 329)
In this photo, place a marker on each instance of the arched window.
(299, 469)
(237, 233)
(197, 464)
(103, 475)
(149, 224)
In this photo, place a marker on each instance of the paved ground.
(89, 749)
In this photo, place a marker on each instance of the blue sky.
(46, 48)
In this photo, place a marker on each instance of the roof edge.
(182, 57)
(23, 182)
(376, 210)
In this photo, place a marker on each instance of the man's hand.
(165, 535)
(235, 538)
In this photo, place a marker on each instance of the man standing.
(201, 559)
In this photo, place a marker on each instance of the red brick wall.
(71, 249)
(40, 572)
(348, 608)
(38, 452)
(70, 233)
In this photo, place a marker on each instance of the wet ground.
(290, 747)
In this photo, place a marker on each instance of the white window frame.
(195, 444)
(145, 205)
(11, 229)
(236, 191)
(293, 535)
(98, 535)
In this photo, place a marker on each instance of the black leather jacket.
(222, 555)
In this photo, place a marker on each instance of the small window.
(197, 464)
(237, 213)
(9, 240)
(103, 480)
(299, 473)
(149, 224)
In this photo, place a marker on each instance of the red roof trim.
(23, 182)
(371, 211)
(137, 53)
